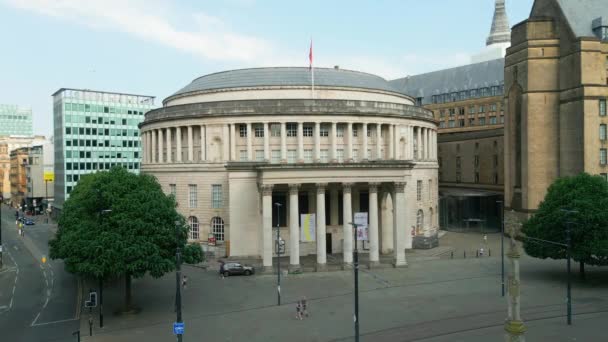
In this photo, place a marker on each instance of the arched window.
(193, 228)
(217, 228)
(419, 221)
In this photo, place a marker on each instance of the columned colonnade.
(370, 141)
(397, 192)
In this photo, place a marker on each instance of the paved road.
(37, 301)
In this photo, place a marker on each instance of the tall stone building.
(468, 103)
(556, 81)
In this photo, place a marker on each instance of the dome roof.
(287, 76)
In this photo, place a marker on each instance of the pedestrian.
(481, 252)
(184, 281)
(222, 269)
(299, 310)
(304, 307)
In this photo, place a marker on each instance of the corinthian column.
(294, 228)
(321, 252)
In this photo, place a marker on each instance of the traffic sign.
(178, 328)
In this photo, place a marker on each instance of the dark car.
(235, 268)
(28, 222)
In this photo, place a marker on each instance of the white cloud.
(148, 20)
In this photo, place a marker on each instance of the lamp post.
(178, 294)
(568, 251)
(278, 247)
(514, 325)
(502, 246)
(356, 272)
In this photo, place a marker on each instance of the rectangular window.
(340, 130)
(461, 111)
(493, 107)
(482, 121)
(243, 155)
(603, 132)
(192, 195)
(355, 154)
(216, 196)
(340, 155)
(442, 113)
(502, 119)
(258, 129)
(324, 156)
(292, 129)
(355, 131)
(603, 107)
(482, 109)
(275, 156)
(259, 155)
(243, 131)
(419, 190)
(472, 110)
(451, 123)
(173, 190)
(472, 122)
(492, 120)
(308, 131)
(275, 130)
(442, 124)
(603, 156)
(461, 123)
(308, 156)
(458, 162)
(324, 131)
(292, 156)
(452, 111)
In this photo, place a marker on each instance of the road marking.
(55, 322)
(10, 306)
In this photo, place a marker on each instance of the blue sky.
(155, 47)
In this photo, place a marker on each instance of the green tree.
(588, 196)
(118, 224)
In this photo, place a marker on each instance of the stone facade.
(240, 167)
(555, 96)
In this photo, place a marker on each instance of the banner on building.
(361, 222)
(308, 229)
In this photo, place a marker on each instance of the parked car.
(235, 268)
(28, 222)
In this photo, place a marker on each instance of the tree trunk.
(582, 270)
(128, 306)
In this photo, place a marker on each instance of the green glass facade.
(95, 131)
(15, 120)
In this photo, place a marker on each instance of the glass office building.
(93, 131)
(15, 120)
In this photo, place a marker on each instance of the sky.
(156, 47)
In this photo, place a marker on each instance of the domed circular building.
(247, 151)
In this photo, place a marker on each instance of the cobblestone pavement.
(434, 299)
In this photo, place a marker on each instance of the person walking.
(184, 281)
(304, 307)
(299, 310)
(222, 263)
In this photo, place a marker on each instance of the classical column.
(349, 149)
(203, 143)
(294, 228)
(374, 256)
(364, 147)
(333, 207)
(334, 143)
(427, 150)
(391, 142)
(300, 142)
(347, 219)
(178, 144)
(233, 142)
(434, 145)
(317, 142)
(379, 141)
(169, 159)
(154, 150)
(321, 252)
(144, 146)
(190, 145)
(267, 227)
(161, 148)
(387, 223)
(249, 142)
(283, 142)
(399, 228)
(419, 142)
(397, 143)
(266, 142)
(225, 144)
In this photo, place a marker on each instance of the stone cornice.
(295, 107)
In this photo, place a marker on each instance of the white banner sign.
(308, 229)
(361, 222)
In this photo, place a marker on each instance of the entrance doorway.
(328, 243)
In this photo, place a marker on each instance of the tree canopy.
(116, 223)
(586, 195)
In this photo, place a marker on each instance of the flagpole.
(312, 93)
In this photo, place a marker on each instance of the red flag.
(310, 55)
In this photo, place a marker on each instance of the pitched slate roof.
(286, 76)
(581, 13)
(472, 76)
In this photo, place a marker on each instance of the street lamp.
(178, 294)
(278, 247)
(356, 271)
(502, 245)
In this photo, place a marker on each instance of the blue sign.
(178, 328)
